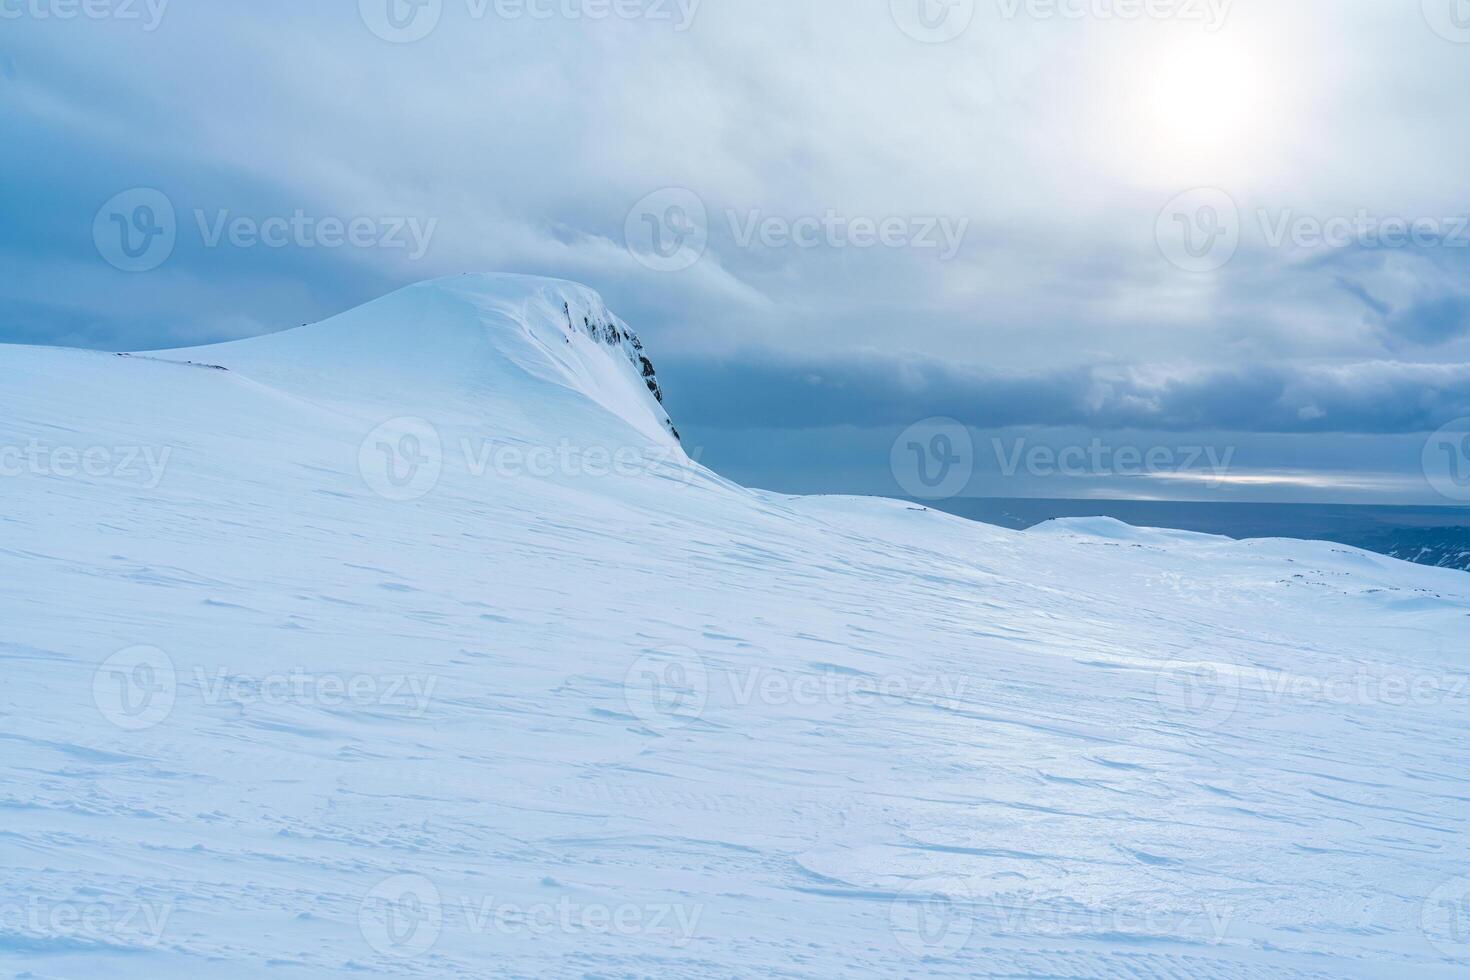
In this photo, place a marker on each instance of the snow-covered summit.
(467, 335)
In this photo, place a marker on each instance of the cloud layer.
(880, 390)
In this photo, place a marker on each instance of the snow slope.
(411, 644)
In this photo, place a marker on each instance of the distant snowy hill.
(411, 643)
(1438, 536)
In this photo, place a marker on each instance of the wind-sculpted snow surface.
(412, 644)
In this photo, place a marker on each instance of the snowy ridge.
(480, 335)
(360, 658)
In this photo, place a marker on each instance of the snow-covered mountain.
(411, 643)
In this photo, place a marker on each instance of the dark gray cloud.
(1414, 296)
(1431, 321)
(881, 390)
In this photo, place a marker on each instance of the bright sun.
(1207, 97)
(1193, 108)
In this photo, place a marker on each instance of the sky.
(1162, 249)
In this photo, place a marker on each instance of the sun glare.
(1196, 108)
(1206, 96)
